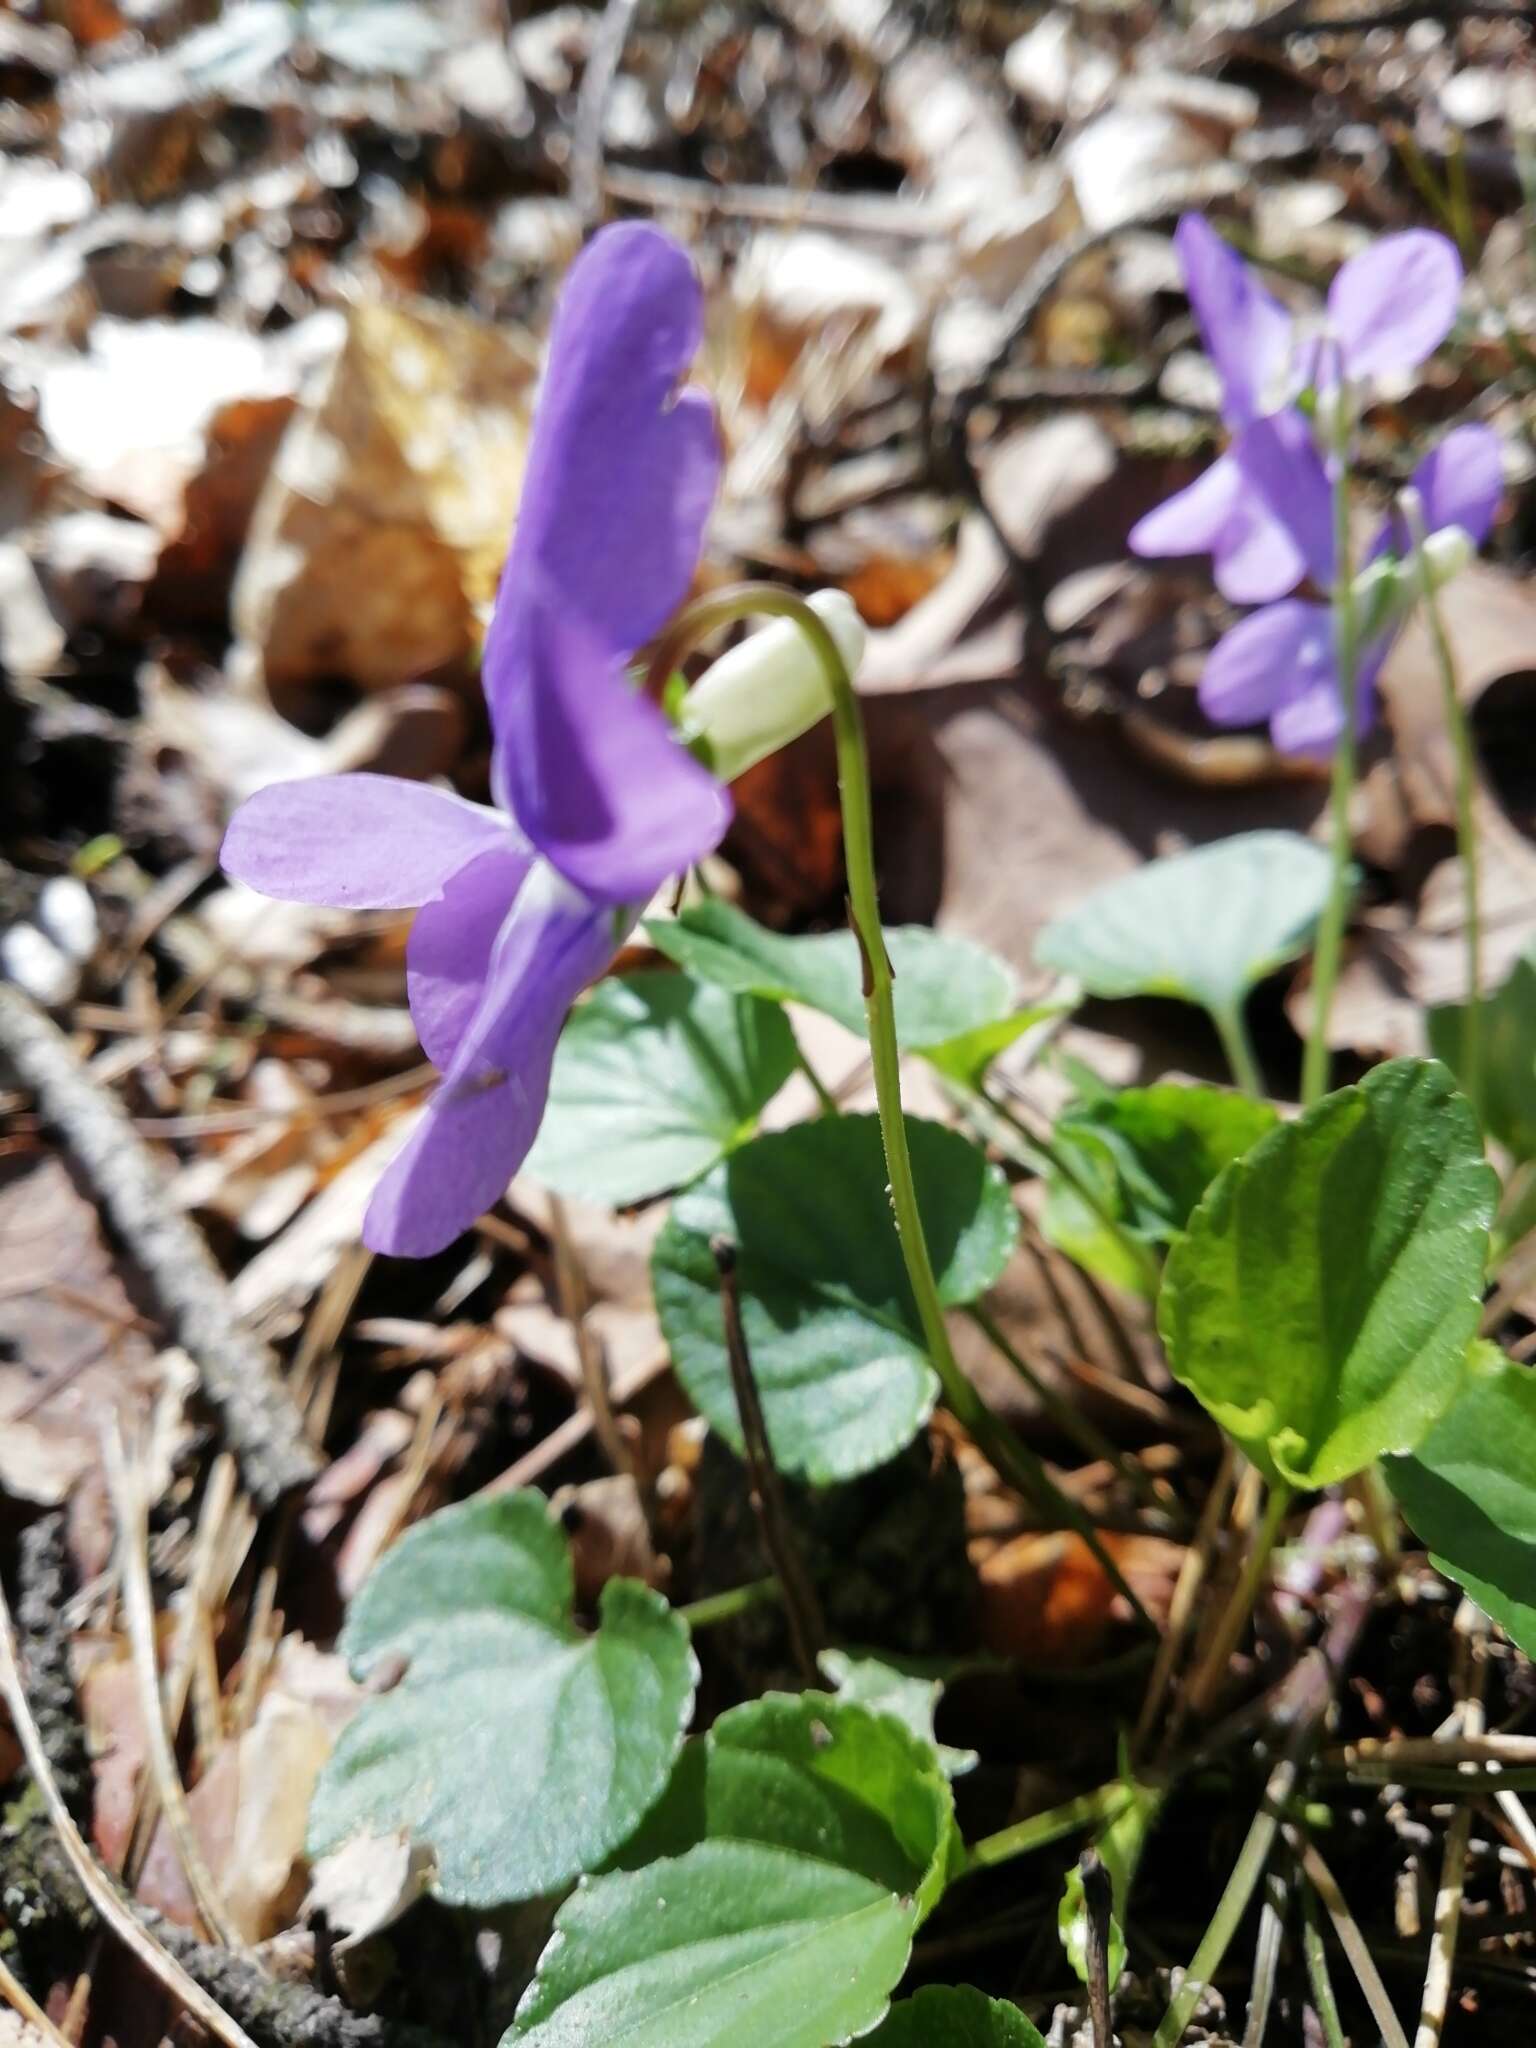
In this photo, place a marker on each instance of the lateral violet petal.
(448, 955)
(596, 778)
(1393, 304)
(1266, 660)
(1193, 520)
(1461, 482)
(1279, 460)
(1247, 333)
(1256, 559)
(476, 1130)
(1310, 724)
(357, 842)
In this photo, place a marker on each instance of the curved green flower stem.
(1471, 1075)
(1232, 1029)
(1012, 1460)
(1330, 935)
(1088, 1810)
(715, 1608)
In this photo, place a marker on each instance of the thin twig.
(239, 1375)
(1266, 1958)
(605, 53)
(1192, 1576)
(93, 1879)
(1351, 1940)
(1098, 1912)
(139, 1617)
(1319, 1980)
(802, 1610)
(1472, 1632)
(571, 1289)
(21, 2002)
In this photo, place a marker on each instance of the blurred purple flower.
(519, 907)
(1279, 663)
(1388, 309)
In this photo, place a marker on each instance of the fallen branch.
(239, 1375)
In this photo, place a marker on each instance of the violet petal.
(1193, 520)
(1256, 559)
(448, 955)
(621, 475)
(1461, 482)
(1265, 661)
(1393, 304)
(476, 1130)
(1247, 333)
(357, 842)
(1279, 459)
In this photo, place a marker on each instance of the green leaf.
(804, 1839)
(1119, 1844)
(954, 2016)
(908, 1697)
(1508, 1056)
(1322, 1301)
(1469, 1492)
(1148, 1154)
(731, 1943)
(954, 1000)
(656, 1078)
(1204, 925)
(522, 1751)
(836, 1346)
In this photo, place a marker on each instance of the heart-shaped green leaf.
(1507, 1056)
(911, 1697)
(520, 1750)
(954, 1000)
(656, 1077)
(800, 1844)
(833, 1333)
(1323, 1298)
(1147, 1155)
(1470, 1491)
(1204, 925)
(954, 2016)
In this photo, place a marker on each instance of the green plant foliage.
(829, 1319)
(909, 1696)
(1119, 1844)
(1148, 1155)
(521, 1750)
(954, 1000)
(1469, 1491)
(1204, 925)
(1508, 1056)
(657, 1077)
(1323, 1298)
(954, 2016)
(800, 1844)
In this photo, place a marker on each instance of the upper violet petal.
(1247, 333)
(621, 475)
(356, 842)
(1279, 459)
(448, 955)
(476, 1130)
(594, 774)
(1393, 304)
(1267, 659)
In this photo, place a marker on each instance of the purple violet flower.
(518, 908)
(1279, 662)
(1388, 309)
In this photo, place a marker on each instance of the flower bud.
(768, 690)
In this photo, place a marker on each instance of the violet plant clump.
(520, 905)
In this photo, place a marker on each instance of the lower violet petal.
(476, 1130)
(1193, 520)
(448, 955)
(1265, 661)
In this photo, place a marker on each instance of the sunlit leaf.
(1469, 1491)
(954, 2016)
(657, 1077)
(911, 1698)
(800, 1845)
(1322, 1301)
(836, 1346)
(520, 1750)
(1204, 925)
(1506, 1056)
